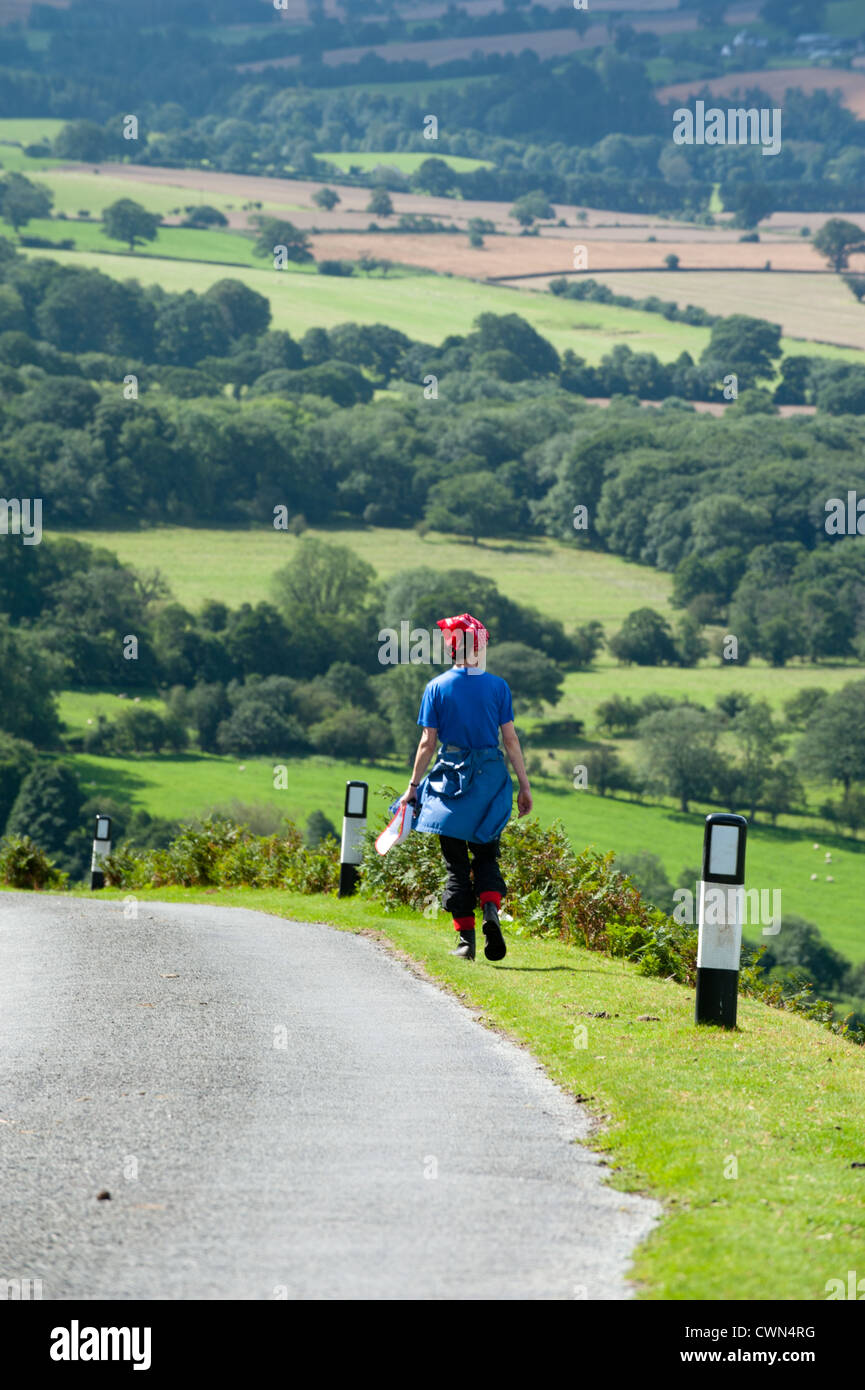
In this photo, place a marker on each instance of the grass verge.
(748, 1137)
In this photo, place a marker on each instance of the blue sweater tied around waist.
(467, 794)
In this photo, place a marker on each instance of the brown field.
(512, 256)
(547, 43)
(792, 221)
(819, 307)
(775, 83)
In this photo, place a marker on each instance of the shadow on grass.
(114, 782)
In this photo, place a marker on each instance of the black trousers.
(467, 879)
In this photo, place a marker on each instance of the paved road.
(278, 1109)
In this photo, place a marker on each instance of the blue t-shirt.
(467, 707)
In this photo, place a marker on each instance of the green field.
(181, 243)
(30, 130)
(562, 581)
(26, 131)
(427, 307)
(404, 160)
(74, 190)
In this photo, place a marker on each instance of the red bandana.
(451, 627)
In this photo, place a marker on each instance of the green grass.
(563, 581)
(184, 243)
(425, 306)
(404, 160)
(779, 1098)
(182, 786)
(26, 131)
(428, 307)
(780, 857)
(79, 708)
(30, 130)
(73, 190)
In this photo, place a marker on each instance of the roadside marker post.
(719, 919)
(353, 830)
(101, 851)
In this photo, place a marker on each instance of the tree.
(128, 221)
(782, 790)
(757, 737)
(256, 640)
(82, 140)
(245, 312)
(800, 949)
(326, 198)
(380, 203)
(801, 706)
(837, 239)
(532, 207)
(744, 346)
(273, 232)
(478, 228)
(351, 733)
(618, 715)
(203, 215)
(433, 176)
(323, 595)
(648, 874)
(480, 506)
(17, 758)
(751, 202)
(190, 326)
(849, 811)
(207, 706)
(586, 642)
(531, 675)
(511, 333)
(691, 646)
(605, 771)
(833, 746)
(671, 261)
(48, 809)
(21, 200)
(27, 682)
(645, 639)
(678, 752)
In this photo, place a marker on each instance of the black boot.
(495, 948)
(466, 944)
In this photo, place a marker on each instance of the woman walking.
(467, 797)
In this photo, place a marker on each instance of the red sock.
(492, 898)
(464, 923)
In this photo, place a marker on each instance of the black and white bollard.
(719, 919)
(353, 829)
(101, 850)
